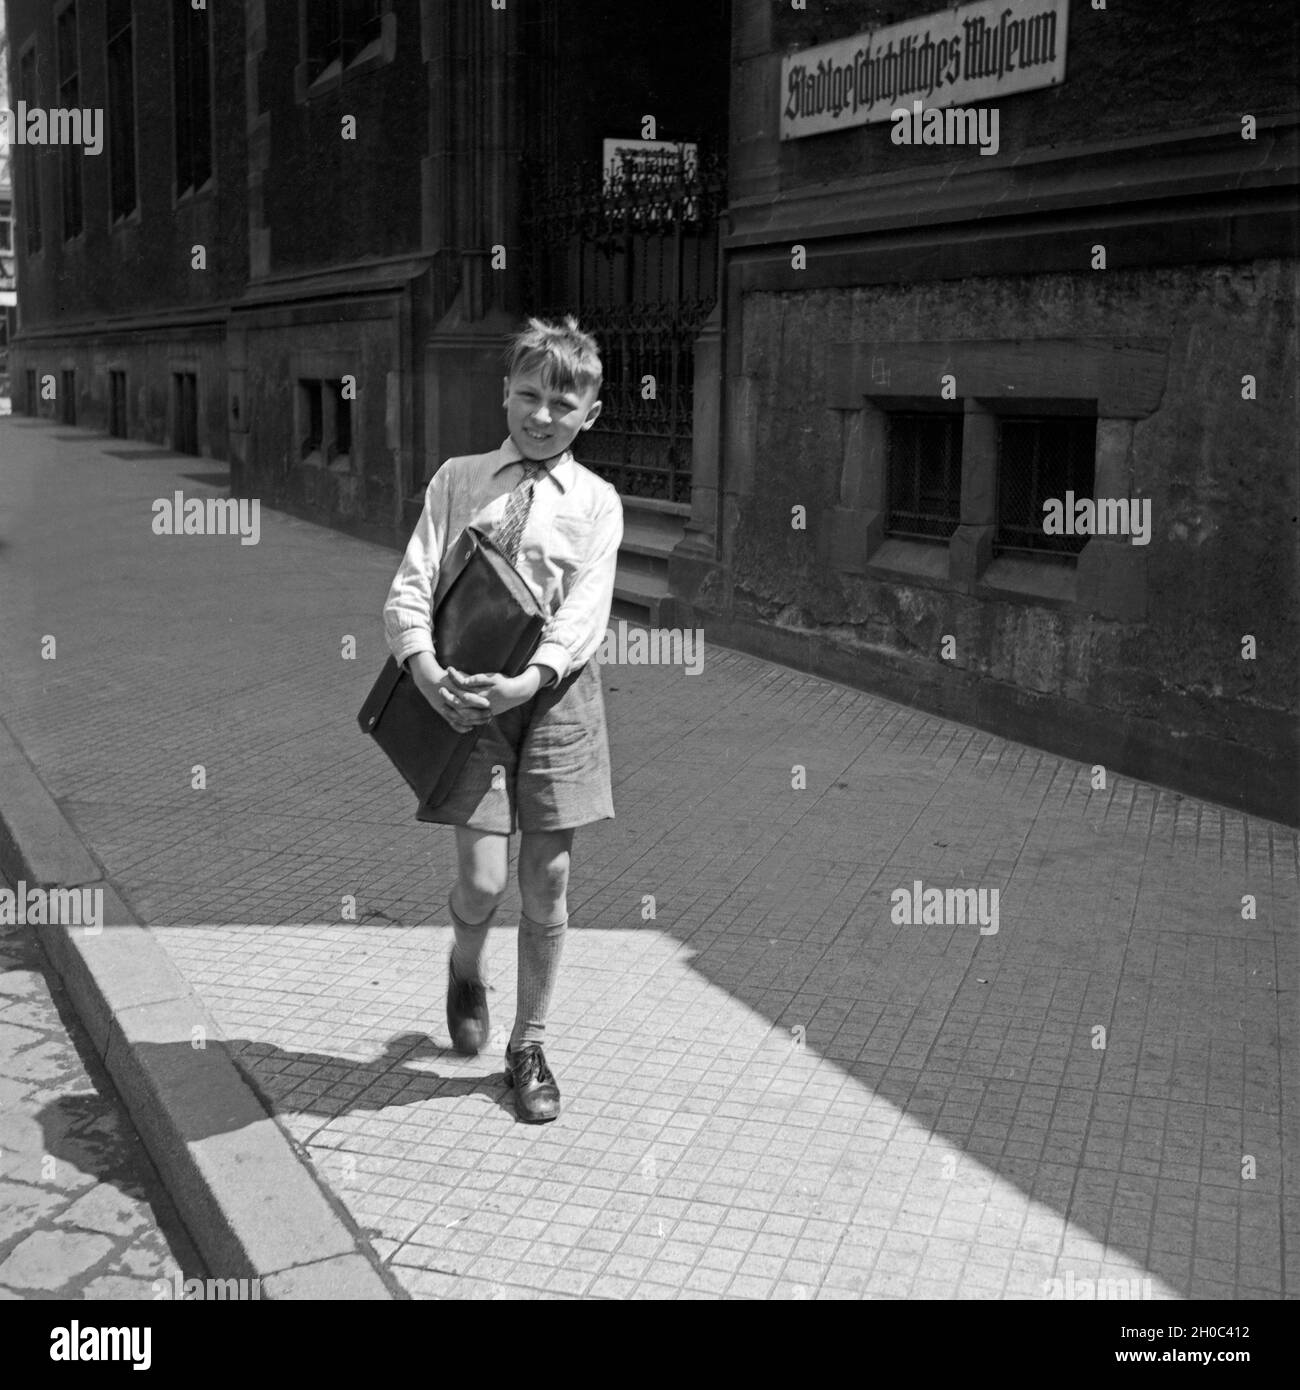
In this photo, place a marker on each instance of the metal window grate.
(924, 475)
(1040, 458)
(635, 256)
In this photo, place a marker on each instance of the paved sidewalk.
(80, 1204)
(771, 1089)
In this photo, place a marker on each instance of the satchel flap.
(454, 561)
(380, 693)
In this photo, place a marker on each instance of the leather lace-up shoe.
(537, 1097)
(467, 1014)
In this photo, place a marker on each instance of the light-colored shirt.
(567, 553)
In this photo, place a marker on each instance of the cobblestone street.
(80, 1204)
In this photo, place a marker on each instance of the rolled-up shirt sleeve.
(408, 611)
(577, 627)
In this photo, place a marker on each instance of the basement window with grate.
(1042, 458)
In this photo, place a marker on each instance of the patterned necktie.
(518, 505)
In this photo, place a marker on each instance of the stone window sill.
(375, 55)
(1045, 583)
(192, 194)
(924, 562)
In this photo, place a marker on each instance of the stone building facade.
(309, 232)
(875, 360)
(923, 343)
(119, 327)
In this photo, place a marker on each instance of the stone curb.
(253, 1207)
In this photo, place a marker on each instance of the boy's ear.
(592, 414)
(505, 390)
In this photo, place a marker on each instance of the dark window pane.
(31, 206)
(192, 97)
(314, 416)
(362, 24)
(924, 474)
(200, 98)
(70, 156)
(343, 426)
(66, 43)
(182, 87)
(1041, 459)
(121, 120)
(323, 37)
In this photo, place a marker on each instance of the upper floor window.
(1040, 459)
(6, 231)
(338, 31)
(193, 96)
(71, 155)
(924, 474)
(121, 108)
(31, 178)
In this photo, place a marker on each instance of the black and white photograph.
(649, 651)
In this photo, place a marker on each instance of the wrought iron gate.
(634, 255)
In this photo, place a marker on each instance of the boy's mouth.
(536, 434)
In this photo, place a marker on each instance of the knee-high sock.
(467, 952)
(539, 965)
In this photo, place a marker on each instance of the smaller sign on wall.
(619, 156)
(975, 53)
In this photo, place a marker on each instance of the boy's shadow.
(75, 1132)
(387, 1080)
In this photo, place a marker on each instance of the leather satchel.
(485, 619)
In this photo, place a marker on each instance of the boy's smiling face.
(544, 420)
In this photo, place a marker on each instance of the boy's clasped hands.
(466, 701)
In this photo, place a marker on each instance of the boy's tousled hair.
(568, 357)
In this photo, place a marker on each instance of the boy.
(542, 757)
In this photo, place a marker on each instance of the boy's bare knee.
(544, 867)
(545, 880)
(483, 865)
(479, 890)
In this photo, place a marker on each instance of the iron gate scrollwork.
(633, 254)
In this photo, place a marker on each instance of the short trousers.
(553, 756)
